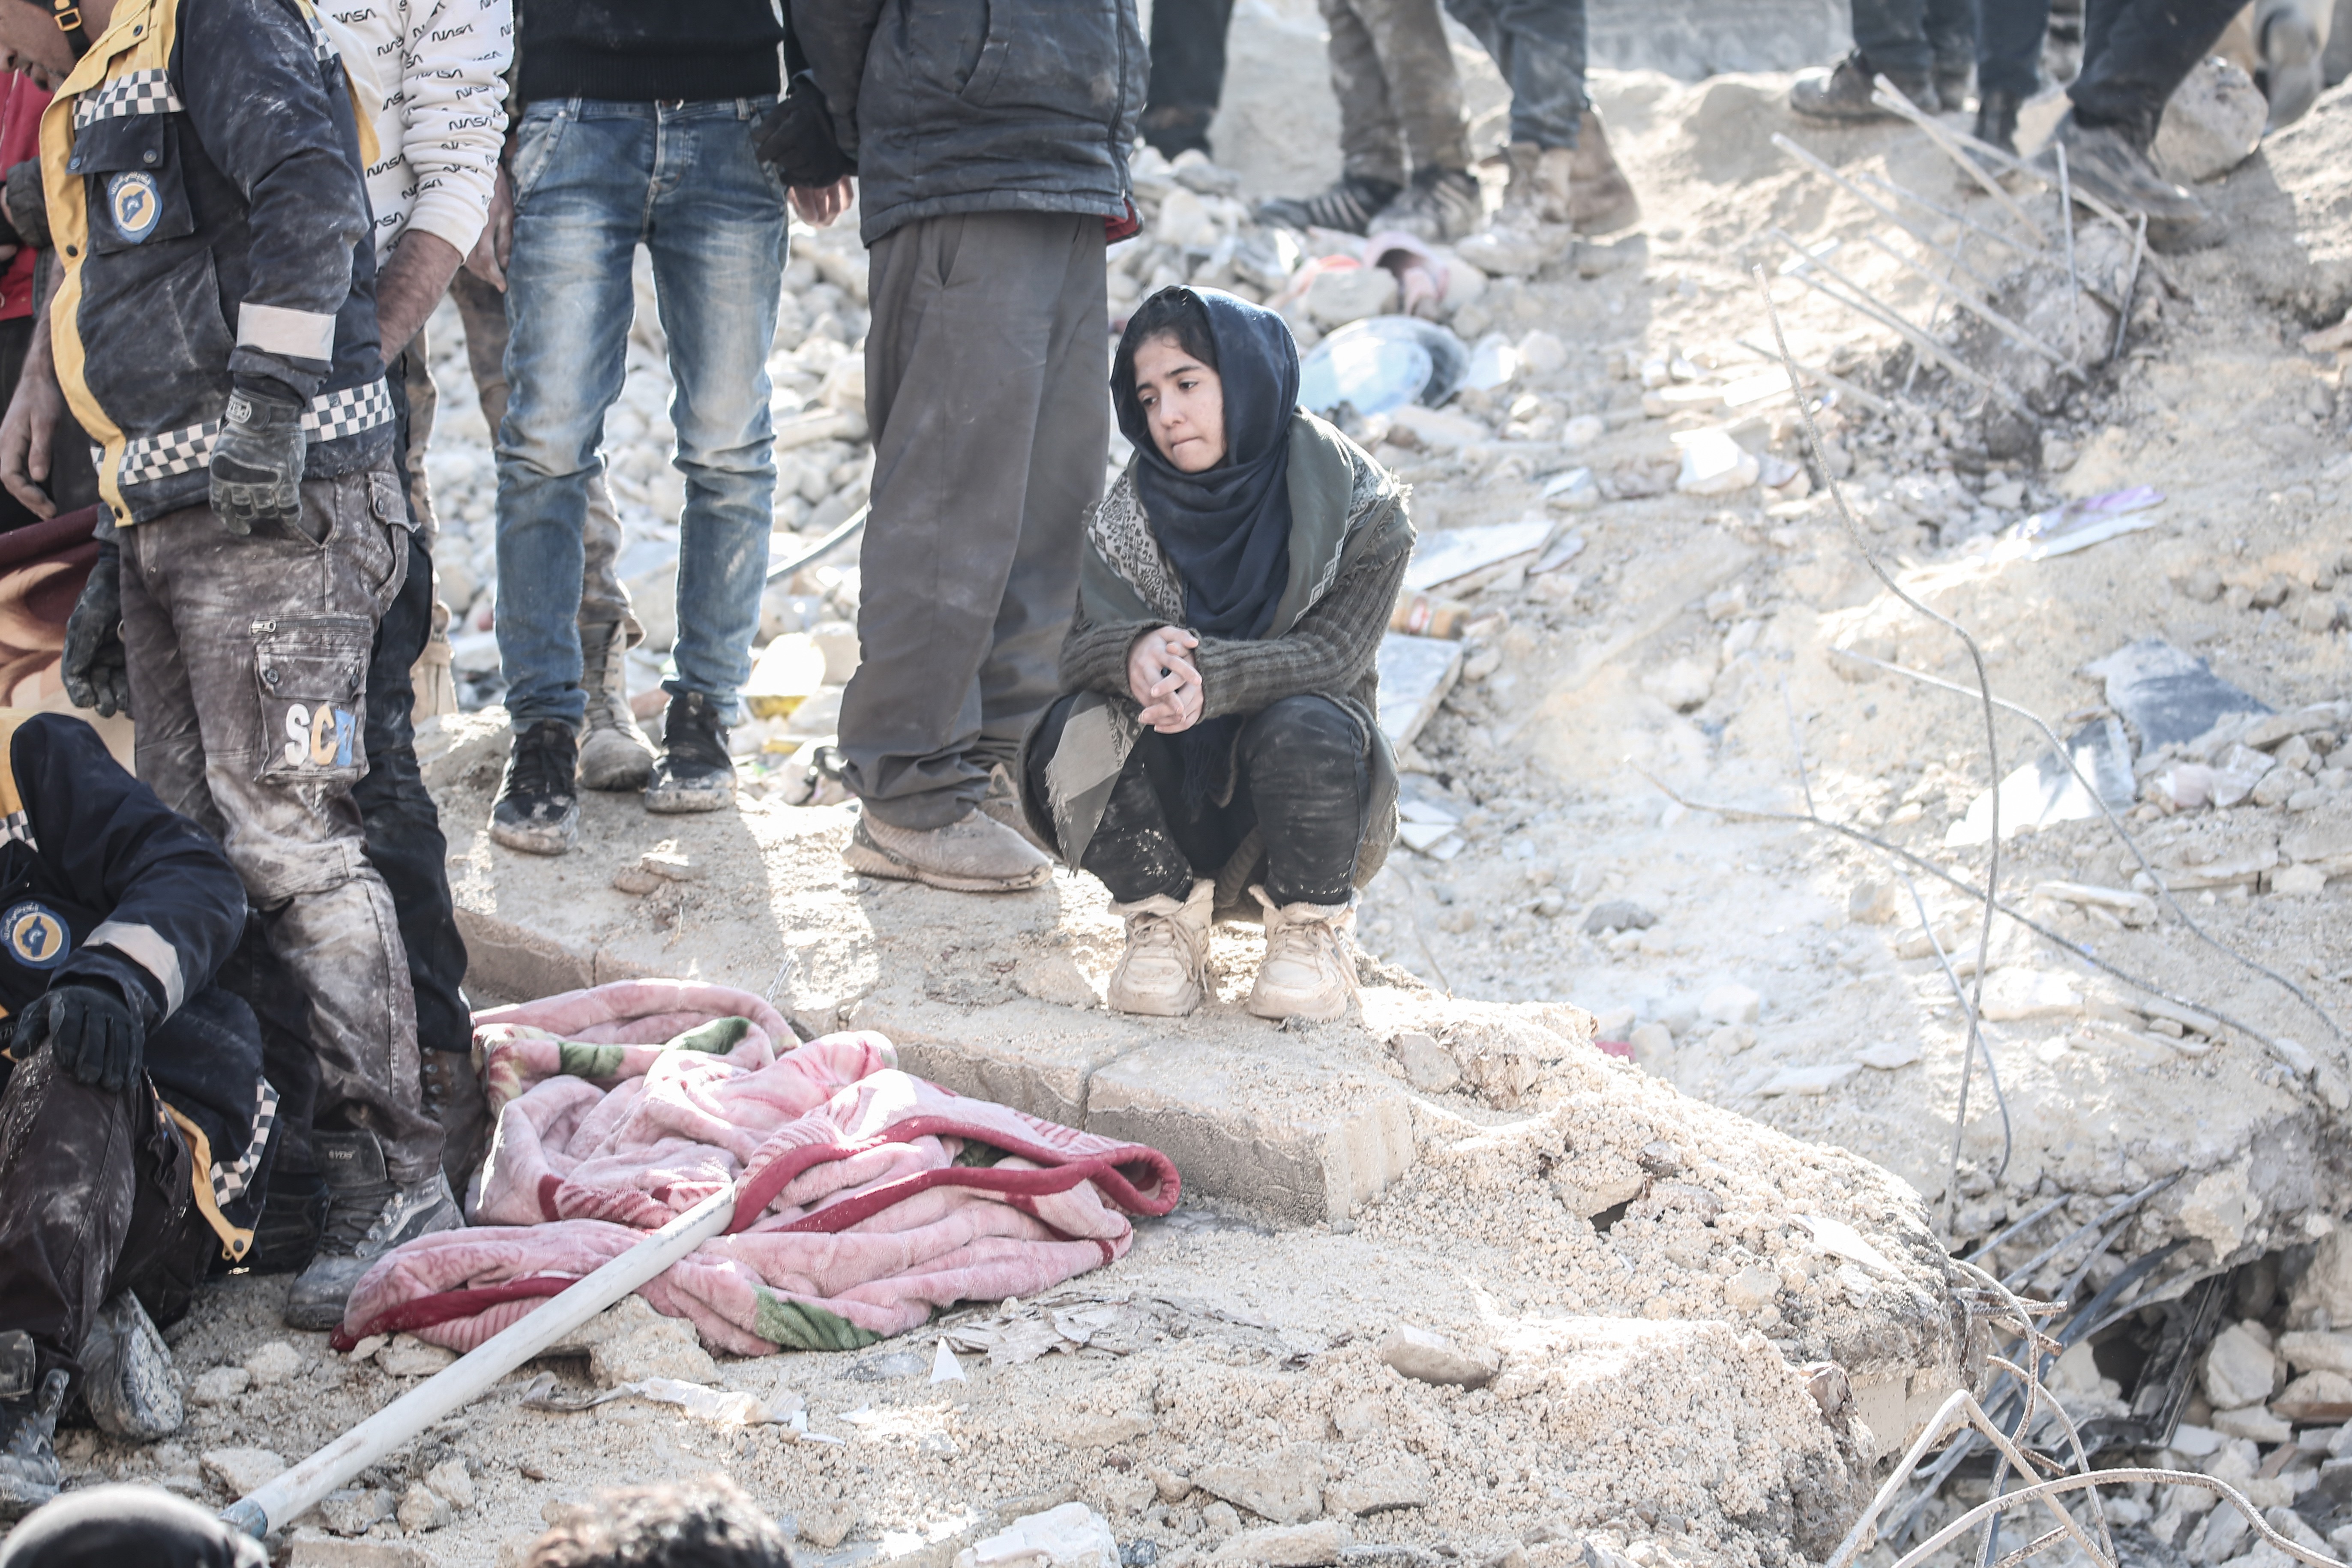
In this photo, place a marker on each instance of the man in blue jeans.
(637, 127)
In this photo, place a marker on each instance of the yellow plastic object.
(788, 673)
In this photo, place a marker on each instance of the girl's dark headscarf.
(1227, 530)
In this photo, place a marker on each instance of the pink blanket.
(868, 1199)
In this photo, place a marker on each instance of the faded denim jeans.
(1538, 46)
(592, 181)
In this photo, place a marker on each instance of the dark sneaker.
(29, 1475)
(1600, 199)
(538, 809)
(694, 772)
(367, 1216)
(454, 1098)
(1841, 93)
(1348, 205)
(2102, 162)
(1441, 205)
(1997, 120)
(126, 1373)
(1951, 86)
(293, 1211)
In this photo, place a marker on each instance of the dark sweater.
(627, 50)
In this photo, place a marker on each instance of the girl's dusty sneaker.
(1309, 969)
(1162, 973)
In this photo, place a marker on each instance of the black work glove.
(258, 461)
(96, 669)
(795, 138)
(94, 1034)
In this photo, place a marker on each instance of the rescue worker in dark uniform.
(135, 1126)
(215, 333)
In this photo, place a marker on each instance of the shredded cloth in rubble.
(868, 1198)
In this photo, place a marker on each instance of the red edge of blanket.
(424, 1311)
(1062, 1174)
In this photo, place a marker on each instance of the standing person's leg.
(1951, 29)
(1306, 765)
(1442, 201)
(1890, 38)
(1023, 670)
(717, 241)
(1372, 141)
(404, 827)
(1188, 73)
(615, 753)
(582, 175)
(208, 620)
(2010, 34)
(2138, 52)
(971, 314)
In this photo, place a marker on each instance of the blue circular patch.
(37, 938)
(131, 198)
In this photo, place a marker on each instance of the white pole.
(277, 1503)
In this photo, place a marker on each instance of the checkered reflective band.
(134, 92)
(330, 416)
(17, 826)
(229, 1182)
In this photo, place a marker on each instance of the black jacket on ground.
(100, 880)
(203, 168)
(632, 52)
(964, 105)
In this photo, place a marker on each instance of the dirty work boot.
(1600, 199)
(2102, 161)
(694, 772)
(29, 1475)
(454, 1098)
(1163, 972)
(293, 1210)
(1841, 93)
(126, 1373)
(975, 855)
(367, 1216)
(1952, 79)
(2292, 70)
(1441, 205)
(1997, 120)
(538, 808)
(1309, 969)
(615, 753)
(1347, 204)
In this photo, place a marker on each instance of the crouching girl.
(1217, 744)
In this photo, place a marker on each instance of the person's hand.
(488, 260)
(258, 460)
(94, 1034)
(95, 666)
(25, 436)
(820, 204)
(1163, 680)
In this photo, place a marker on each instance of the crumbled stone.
(1616, 915)
(273, 1363)
(1219, 1520)
(651, 1346)
(423, 1508)
(1292, 1546)
(828, 1525)
(1432, 1358)
(1730, 1003)
(1428, 1066)
(1401, 1482)
(354, 1510)
(219, 1384)
(2239, 1369)
(242, 1470)
(1285, 1488)
(408, 1356)
(452, 1481)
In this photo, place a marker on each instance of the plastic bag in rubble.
(1382, 364)
(1070, 1536)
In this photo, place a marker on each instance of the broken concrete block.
(452, 1481)
(1428, 1357)
(1054, 978)
(2240, 1369)
(650, 1345)
(1071, 1536)
(273, 1363)
(1651, 1043)
(1543, 353)
(1682, 685)
(1428, 1066)
(1715, 465)
(2211, 123)
(1401, 1482)
(219, 1384)
(827, 1525)
(354, 1510)
(2297, 881)
(2253, 1424)
(1220, 1520)
(2314, 1396)
(2317, 1350)
(1286, 1488)
(2013, 994)
(421, 1508)
(242, 1470)
(1730, 1003)
(1752, 1289)
(1287, 1546)
(1104, 1431)
(1618, 914)
(307, 1550)
(1347, 294)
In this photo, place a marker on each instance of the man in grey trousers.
(991, 137)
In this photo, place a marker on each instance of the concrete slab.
(992, 996)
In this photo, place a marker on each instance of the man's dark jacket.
(964, 105)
